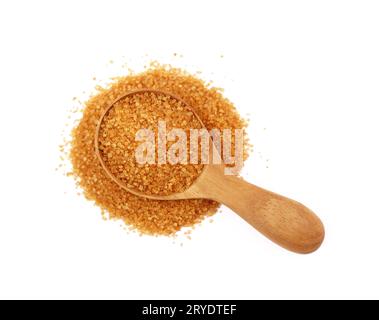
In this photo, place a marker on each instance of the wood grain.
(286, 222)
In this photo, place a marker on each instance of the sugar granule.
(147, 216)
(118, 145)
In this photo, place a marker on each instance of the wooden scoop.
(286, 222)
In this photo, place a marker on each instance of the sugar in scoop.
(143, 142)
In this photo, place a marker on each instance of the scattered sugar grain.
(146, 216)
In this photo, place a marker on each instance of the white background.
(306, 71)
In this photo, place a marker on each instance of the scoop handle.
(286, 222)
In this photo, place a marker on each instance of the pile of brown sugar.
(147, 216)
(118, 145)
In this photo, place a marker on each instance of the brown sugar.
(117, 143)
(147, 216)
